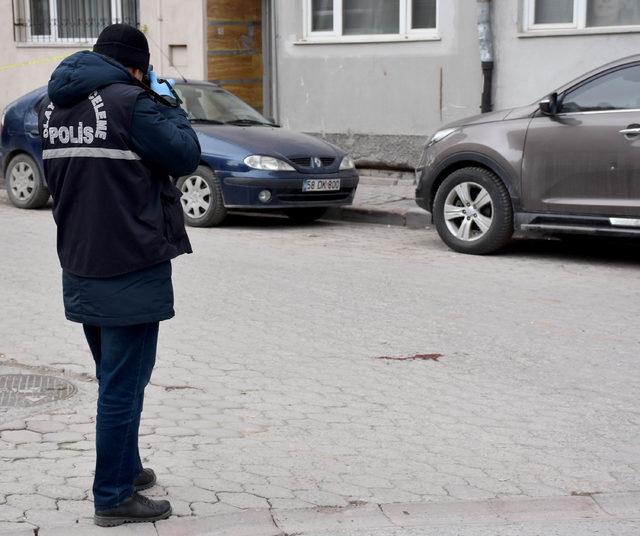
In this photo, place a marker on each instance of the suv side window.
(618, 90)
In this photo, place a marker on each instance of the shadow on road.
(252, 220)
(592, 249)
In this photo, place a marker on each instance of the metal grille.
(69, 21)
(25, 390)
(306, 161)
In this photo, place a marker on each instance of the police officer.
(109, 147)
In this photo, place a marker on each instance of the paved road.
(269, 391)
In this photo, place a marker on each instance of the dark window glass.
(619, 90)
(554, 11)
(130, 12)
(210, 103)
(613, 12)
(322, 15)
(362, 17)
(82, 19)
(40, 18)
(423, 14)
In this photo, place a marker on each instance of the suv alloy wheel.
(472, 211)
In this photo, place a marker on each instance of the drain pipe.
(485, 35)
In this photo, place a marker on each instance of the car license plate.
(320, 185)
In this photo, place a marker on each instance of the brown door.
(234, 42)
(586, 160)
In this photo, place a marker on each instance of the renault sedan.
(248, 162)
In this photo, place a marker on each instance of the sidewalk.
(387, 201)
(612, 514)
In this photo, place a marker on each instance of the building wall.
(24, 67)
(381, 100)
(378, 100)
(176, 30)
(528, 68)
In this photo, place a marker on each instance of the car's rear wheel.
(24, 183)
(472, 211)
(306, 215)
(201, 200)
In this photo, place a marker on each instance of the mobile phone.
(145, 78)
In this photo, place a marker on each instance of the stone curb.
(263, 522)
(413, 218)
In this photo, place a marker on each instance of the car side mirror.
(549, 105)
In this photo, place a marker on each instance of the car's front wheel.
(201, 200)
(472, 211)
(24, 183)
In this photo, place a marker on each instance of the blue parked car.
(248, 162)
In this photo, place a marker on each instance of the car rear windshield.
(211, 104)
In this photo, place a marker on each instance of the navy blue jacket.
(108, 151)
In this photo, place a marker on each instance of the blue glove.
(161, 88)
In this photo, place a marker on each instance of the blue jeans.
(124, 359)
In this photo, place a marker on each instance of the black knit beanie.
(125, 44)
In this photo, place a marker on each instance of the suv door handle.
(631, 130)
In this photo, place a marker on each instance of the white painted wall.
(527, 68)
(24, 67)
(393, 88)
(176, 22)
(378, 88)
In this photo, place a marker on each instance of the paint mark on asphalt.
(417, 357)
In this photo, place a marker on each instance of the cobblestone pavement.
(386, 193)
(384, 201)
(268, 391)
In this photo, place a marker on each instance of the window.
(618, 90)
(64, 21)
(367, 20)
(581, 14)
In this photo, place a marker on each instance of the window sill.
(367, 39)
(582, 31)
(56, 44)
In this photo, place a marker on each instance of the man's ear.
(136, 73)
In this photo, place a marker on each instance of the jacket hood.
(82, 73)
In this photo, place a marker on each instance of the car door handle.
(34, 132)
(630, 131)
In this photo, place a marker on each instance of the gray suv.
(567, 164)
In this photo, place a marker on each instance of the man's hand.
(161, 88)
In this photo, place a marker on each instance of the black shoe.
(146, 479)
(136, 509)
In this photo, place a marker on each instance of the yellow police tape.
(37, 61)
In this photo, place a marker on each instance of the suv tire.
(472, 211)
(207, 209)
(24, 183)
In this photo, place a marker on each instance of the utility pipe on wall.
(485, 35)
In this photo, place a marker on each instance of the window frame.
(52, 37)
(597, 76)
(578, 25)
(405, 32)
